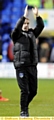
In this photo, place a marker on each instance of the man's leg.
(32, 83)
(22, 78)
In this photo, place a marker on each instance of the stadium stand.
(10, 12)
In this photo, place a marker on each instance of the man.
(26, 58)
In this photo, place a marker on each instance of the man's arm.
(39, 27)
(17, 30)
(40, 24)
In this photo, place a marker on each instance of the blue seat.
(17, 2)
(6, 37)
(6, 14)
(5, 19)
(4, 52)
(6, 28)
(0, 30)
(15, 18)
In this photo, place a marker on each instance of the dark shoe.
(24, 114)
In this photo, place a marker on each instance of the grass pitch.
(42, 104)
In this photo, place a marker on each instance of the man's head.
(25, 26)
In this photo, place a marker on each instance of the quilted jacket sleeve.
(17, 30)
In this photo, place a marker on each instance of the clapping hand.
(35, 11)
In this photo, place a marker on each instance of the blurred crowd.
(10, 12)
(46, 49)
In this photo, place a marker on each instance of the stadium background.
(43, 104)
(10, 12)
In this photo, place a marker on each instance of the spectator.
(44, 52)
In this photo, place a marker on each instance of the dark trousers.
(27, 81)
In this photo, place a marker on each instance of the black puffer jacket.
(25, 49)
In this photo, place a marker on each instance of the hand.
(35, 11)
(26, 11)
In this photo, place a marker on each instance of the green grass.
(42, 104)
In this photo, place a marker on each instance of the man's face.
(25, 26)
